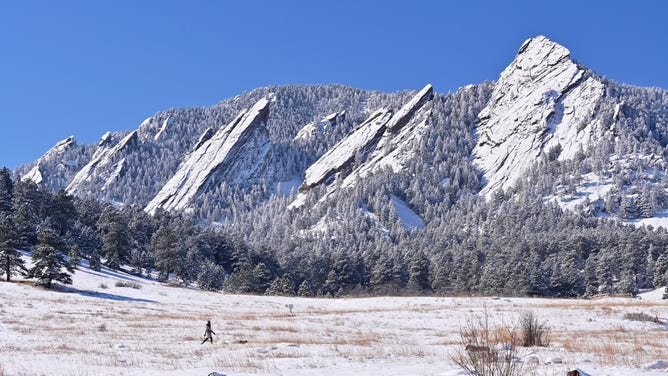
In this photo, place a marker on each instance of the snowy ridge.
(104, 165)
(387, 144)
(343, 153)
(224, 152)
(368, 140)
(394, 149)
(311, 129)
(541, 101)
(54, 153)
(163, 128)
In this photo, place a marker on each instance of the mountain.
(542, 101)
(537, 172)
(238, 150)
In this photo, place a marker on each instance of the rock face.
(374, 144)
(53, 154)
(311, 129)
(106, 164)
(395, 147)
(233, 154)
(343, 153)
(541, 101)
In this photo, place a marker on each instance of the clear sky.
(85, 67)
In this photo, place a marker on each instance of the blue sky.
(86, 67)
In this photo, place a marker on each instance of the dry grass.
(317, 336)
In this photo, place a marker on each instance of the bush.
(533, 333)
(642, 316)
(486, 350)
(133, 285)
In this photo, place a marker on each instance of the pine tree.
(211, 276)
(6, 191)
(115, 237)
(48, 258)
(10, 258)
(167, 252)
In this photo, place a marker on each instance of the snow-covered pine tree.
(10, 241)
(115, 237)
(48, 258)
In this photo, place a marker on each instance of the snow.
(35, 174)
(219, 150)
(100, 164)
(541, 100)
(285, 188)
(162, 129)
(409, 219)
(98, 327)
(344, 151)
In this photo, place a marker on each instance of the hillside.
(340, 190)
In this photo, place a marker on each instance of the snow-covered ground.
(110, 323)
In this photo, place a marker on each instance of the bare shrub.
(642, 316)
(486, 350)
(533, 333)
(133, 285)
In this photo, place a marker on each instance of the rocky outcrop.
(206, 136)
(376, 143)
(343, 153)
(105, 165)
(395, 147)
(54, 154)
(542, 101)
(311, 129)
(233, 154)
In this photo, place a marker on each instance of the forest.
(502, 247)
(245, 239)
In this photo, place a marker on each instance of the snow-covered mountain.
(542, 101)
(234, 154)
(524, 185)
(548, 126)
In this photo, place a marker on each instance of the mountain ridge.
(544, 105)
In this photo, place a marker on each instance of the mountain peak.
(540, 52)
(536, 104)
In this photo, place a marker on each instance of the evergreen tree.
(211, 276)
(418, 272)
(62, 212)
(10, 258)
(115, 237)
(48, 258)
(6, 191)
(167, 251)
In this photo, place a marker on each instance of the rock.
(105, 166)
(233, 154)
(542, 101)
(554, 360)
(373, 141)
(658, 364)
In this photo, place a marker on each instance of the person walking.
(208, 333)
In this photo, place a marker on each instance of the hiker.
(208, 333)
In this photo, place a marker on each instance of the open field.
(100, 326)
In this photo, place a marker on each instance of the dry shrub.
(485, 350)
(130, 284)
(642, 316)
(533, 333)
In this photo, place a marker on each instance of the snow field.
(96, 327)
